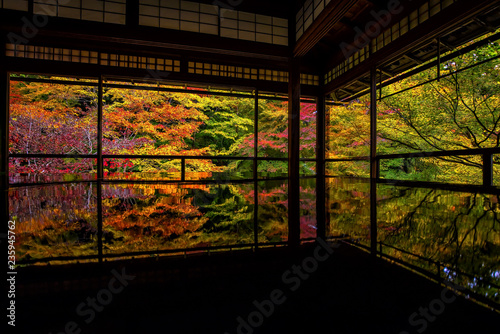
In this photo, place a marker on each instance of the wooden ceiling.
(318, 49)
(457, 24)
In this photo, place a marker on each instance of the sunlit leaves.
(52, 119)
(348, 130)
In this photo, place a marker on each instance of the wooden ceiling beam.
(47, 67)
(446, 45)
(331, 15)
(363, 83)
(413, 59)
(383, 71)
(485, 25)
(143, 38)
(458, 13)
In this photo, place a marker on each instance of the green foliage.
(348, 130)
(229, 122)
(228, 212)
(460, 111)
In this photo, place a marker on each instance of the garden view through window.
(187, 168)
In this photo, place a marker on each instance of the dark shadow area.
(345, 292)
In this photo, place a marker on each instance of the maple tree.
(460, 111)
(273, 136)
(348, 136)
(229, 121)
(143, 122)
(62, 119)
(52, 119)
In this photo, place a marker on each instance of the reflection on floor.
(450, 234)
(311, 291)
(63, 222)
(86, 229)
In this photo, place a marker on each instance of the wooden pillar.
(294, 153)
(100, 166)
(373, 217)
(487, 169)
(30, 6)
(373, 162)
(132, 13)
(374, 172)
(320, 166)
(256, 135)
(255, 172)
(99, 221)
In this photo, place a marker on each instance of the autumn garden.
(416, 114)
(216, 134)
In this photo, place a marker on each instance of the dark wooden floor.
(347, 293)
